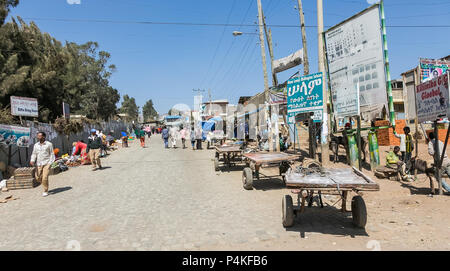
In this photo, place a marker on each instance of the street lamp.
(239, 33)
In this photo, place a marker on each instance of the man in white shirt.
(445, 162)
(42, 157)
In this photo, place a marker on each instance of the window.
(361, 78)
(374, 75)
(362, 88)
(376, 85)
(374, 66)
(355, 80)
(369, 87)
(367, 67)
(361, 69)
(355, 71)
(368, 77)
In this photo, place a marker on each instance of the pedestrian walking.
(93, 149)
(183, 135)
(165, 137)
(42, 157)
(173, 136)
(198, 137)
(142, 137)
(192, 137)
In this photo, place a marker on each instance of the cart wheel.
(288, 211)
(216, 164)
(207, 145)
(359, 212)
(247, 178)
(217, 155)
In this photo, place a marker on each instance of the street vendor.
(80, 149)
(393, 161)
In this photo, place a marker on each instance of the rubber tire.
(216, 164)
(217, 155)
(287, 211)
(359, 212)
(247, 178)
(207, 145)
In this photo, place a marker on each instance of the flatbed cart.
(231, 154)
(256, 160)
(342, 181)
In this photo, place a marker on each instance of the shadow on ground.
(327, 220)
(59, 190)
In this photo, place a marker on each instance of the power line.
(211, 24)
(218, 45)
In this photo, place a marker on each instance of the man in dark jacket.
(165, 137)
(93, 149)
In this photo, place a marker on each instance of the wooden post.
(437, 158)
(358, 137)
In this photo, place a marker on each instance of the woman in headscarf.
(80, 149)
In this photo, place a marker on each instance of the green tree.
(149, 111)
(34, 64)
(5, 6)
(129, 107)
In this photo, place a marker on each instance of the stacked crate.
(23, 179)
(386, 136)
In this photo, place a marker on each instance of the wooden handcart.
(342, 181)
(257, 160)
(232, 154)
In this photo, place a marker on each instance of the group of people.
(400, 157)
(43, 155)
(173, 134)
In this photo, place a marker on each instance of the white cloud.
(371, 2)
(71, 2)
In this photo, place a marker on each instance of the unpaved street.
(157, 199)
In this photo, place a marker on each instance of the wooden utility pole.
(264, 63)
(274, 75)
(305, 48)
(270, 45)
(326, 122)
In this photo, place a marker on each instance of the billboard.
(305, 95)
(432, 99)
(355, 59)
(14, 135)
(432, 68)
(22, 106)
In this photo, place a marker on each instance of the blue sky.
(165, 62)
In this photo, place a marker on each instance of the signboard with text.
(432, 68)
(14, 135)
(355, 59)
(305, 95)
(432, 99)
(346, 104)
(22, 106)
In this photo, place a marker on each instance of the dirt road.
(157, 199)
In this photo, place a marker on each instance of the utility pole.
(274, 76)
(326, 122)
(270, 44)
(210, 101)
(305, 48)
(263, 55)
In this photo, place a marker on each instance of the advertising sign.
(432, 99)
(21, 106)
(355, 56)
(346, 104)
(66, 110)
(432, 68)
(14, 135)
(304, 95)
